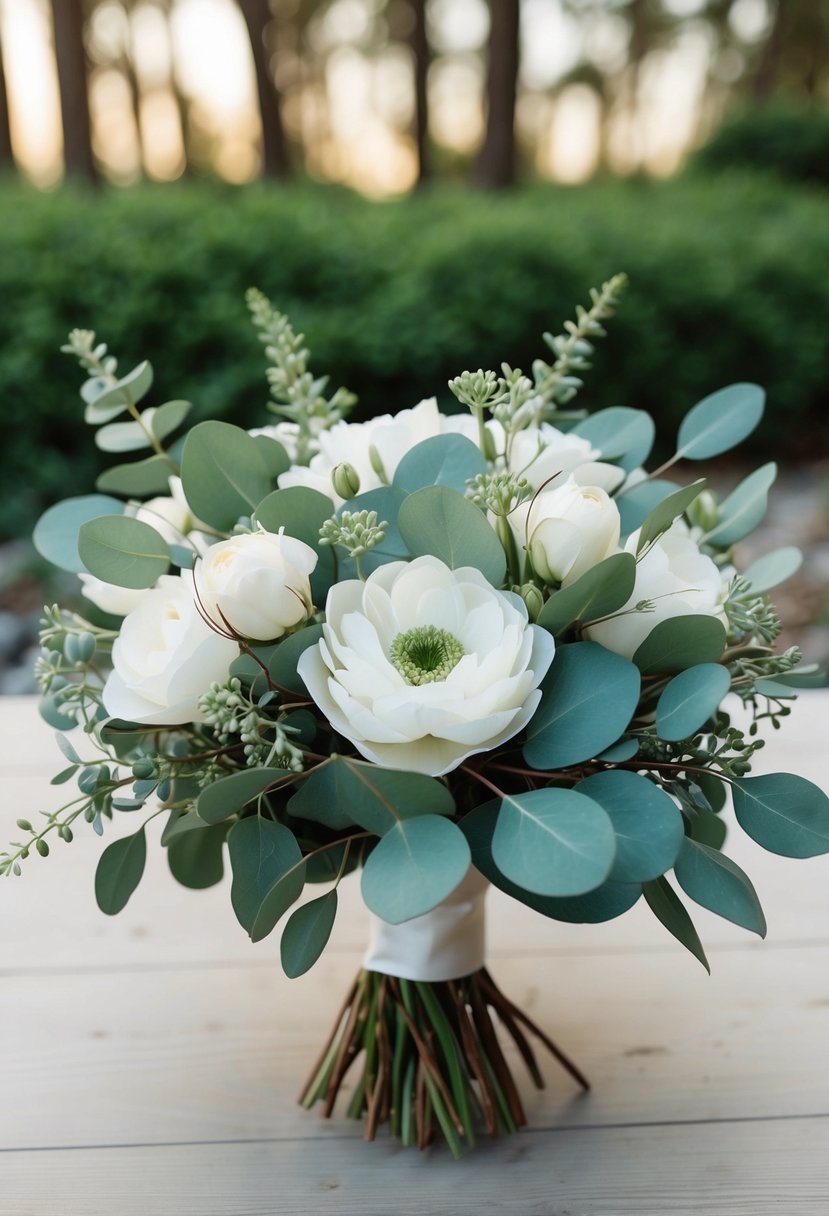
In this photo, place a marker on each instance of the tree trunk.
(258, 18)
(495, 166)
(128, 67)
(421, 55)
(765, 80)
(70, 56)
(6, 155)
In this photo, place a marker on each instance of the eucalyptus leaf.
(443, 460)
(229, 795)
(663, 515)
(690, 699)
(223, 473)
(636, 504)
(196, 858)
(720, 421)
(277, 460)
(773, 568)
(261, 853)
(122, 550)
(744, 508)
(620, 434)
(680, 642)
(553, 842)
(784, 813)
(415, 866)
(587, 700)
(625, 749)
(344, 791)
(647, 823)
(442, 522)
(600, 591)
(123, 436)
(56, 532)
(115, 398)
(169, 417)
(603, 903)
(717, 883)
(119, 871)
(306, 934)
(669, 909)
(140, 479)
(708, 828)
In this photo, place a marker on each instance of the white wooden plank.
(219, 1053)
(742, 1169)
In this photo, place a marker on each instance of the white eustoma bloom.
(567, 530)
(109, 597)
(165, 657)
(421, 666)
(673, 577)
(373, 448)
(256, 583)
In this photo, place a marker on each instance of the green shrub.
(397, 297)
(791, 141)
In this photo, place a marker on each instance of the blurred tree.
(496, 162)
(259, 21)
(70, 58)
(6, 155)
(421, 59)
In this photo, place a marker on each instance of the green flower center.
(425, 654)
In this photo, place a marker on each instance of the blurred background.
(424, 186)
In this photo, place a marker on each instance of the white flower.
(421, 666)
(676, 579)
(540, 453)
(374, 448)
(109, 597)
(165, 657)
(257, 583)
(567, 530)
(286, 433)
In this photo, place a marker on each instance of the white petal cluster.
(489, 694)
(568, 529)
(675, 579)
(165, 657)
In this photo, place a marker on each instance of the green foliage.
(717, 883)
(121, 550)
(784, 813)
(680, 642)
(722, 284)
(646, 823)
(223, 473)
(261, 854)
(416, 865)
(119, 871)
(600, 591)
(720, 421)
(439, 521)
(306, 934)
(787, 140)
(690, 699)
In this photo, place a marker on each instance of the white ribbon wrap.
(444, 944)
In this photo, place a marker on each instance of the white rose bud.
(165, 657)
(568, 530)
(675, 579)
(257, 583)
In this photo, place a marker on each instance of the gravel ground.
(798, 514)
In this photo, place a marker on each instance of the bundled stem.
(431, 1062)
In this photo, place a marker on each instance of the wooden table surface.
(150, 1061)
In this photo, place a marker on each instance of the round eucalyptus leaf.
(440, 521)
(620, 434)
(784, 813)
(140, 479)
(119, 871)
(690, 699)
(648, 824)
(225, 797)
(56, 533)
(263, 854)
(601, 590)
(123, 436)
(276, 459)
(169, 417)
(196, 857)
(603, 903)
(345, 791)
(773, 568)
(223, 473)
(553, 842)
(680, 642)
(744, 508)
(588, 698)
(442, 460)
(113, 399)
(636, 504)
(306, 934)
(720, 421)
(717, 883)
(122, 550)
(414, 867)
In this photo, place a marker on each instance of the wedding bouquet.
(446, 649)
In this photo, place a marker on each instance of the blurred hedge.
(397, 297)
(790, 141)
